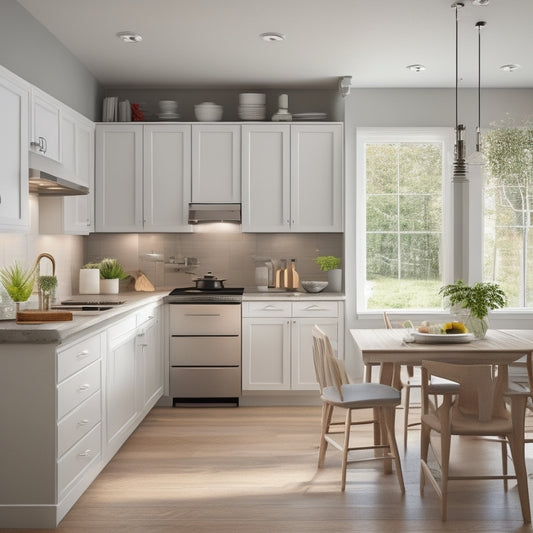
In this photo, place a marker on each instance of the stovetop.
(193, 295)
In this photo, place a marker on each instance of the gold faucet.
(37, 269)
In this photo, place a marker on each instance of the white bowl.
(314, 286)
(252, 98)
(168, 106)
(208, 112)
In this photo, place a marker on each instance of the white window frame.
(394, 135)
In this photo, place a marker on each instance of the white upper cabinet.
(292, 178)
(45, 136)
(316, 178)
(167, 183)
(216, 163)
(142, 177)
(266, 178)
(14, 202)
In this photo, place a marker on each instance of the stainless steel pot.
(209, 282)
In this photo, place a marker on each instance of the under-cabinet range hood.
(203, 213)
(45, 184)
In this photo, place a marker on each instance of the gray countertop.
(252, 294)
(57, 332)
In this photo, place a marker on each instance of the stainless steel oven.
(205, 345)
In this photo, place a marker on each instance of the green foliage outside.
(389, 293)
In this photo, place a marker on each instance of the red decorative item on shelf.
(136, 113)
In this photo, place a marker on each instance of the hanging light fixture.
(477, 157)
(459, 163)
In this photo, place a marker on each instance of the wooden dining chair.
(336, 391)
(412, 382)
(477, 403)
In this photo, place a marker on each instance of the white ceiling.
(215, 43)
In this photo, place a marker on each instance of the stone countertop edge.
(58, 332)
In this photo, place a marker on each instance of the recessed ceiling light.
(416, 68)
(510, 68)
(272, 36)
(129, 36)
(480, 2)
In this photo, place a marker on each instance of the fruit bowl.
(314, 286)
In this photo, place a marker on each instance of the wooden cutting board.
(36, 316)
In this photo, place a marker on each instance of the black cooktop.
(193, 290)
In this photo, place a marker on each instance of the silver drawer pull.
(86, 453)
(315, 307)
(202, 314)
(83, 422)
(271, 308)
(85, 386)
(83, 353)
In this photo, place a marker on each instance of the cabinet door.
(316, 178)
(167, 177)
(266, 349)
(121, 406)
(118, 179)
(266, 178)
(151, 362)
(302, 366)
(14, 200)
(46, 125)
(216, 163)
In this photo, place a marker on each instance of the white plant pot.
(109, 286)
(89, 281)
(334, 280)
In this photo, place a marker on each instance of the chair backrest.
(481, 388)
(329, 370)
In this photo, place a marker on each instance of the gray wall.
(29, 50)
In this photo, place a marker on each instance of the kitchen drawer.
(207, 319)
(205, 382)
(78, 458)
(78, 388)
(124, 327)
(202, 351)
(266, 309)
(78, 423)
(315, 308)
(146, 314)
(77, 356)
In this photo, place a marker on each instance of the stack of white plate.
(168, 110)
(252, 106)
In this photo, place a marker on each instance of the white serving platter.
(442, 338)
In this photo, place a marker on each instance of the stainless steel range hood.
(202, 213)
(45, 184)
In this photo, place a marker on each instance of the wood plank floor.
(253, 469)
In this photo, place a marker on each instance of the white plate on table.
(442, 338)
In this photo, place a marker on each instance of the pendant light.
(459, 163)
(477, 157)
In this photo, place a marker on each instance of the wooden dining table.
(391, 348)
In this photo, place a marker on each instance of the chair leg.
(424, 448)
(407, 399)
(388, 417)
(327, 411)
(504, 462)
(347, 428)
(445, 442)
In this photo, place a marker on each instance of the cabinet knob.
(85, 453)
(85, 386)
(82, 354)
(83, 422)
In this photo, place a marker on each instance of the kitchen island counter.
(59, 332)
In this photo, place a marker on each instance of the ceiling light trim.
(272, 37)
(416, 67)
(511, 67)
(129, 37)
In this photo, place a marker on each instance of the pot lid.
(209, 277)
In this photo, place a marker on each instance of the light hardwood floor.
(253, 469)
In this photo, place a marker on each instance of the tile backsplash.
(230, 256)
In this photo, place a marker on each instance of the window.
(508, 213)
(403, 186)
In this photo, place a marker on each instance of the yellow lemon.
(454, 327)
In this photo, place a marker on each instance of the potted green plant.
(330, 264)
(111, 272)
(18, 282)
(473, 303)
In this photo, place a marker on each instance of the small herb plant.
(479, 298)
(327, 262)
(18, 281)
(111, 269)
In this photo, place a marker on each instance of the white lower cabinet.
(68, 409)
(277, 342)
